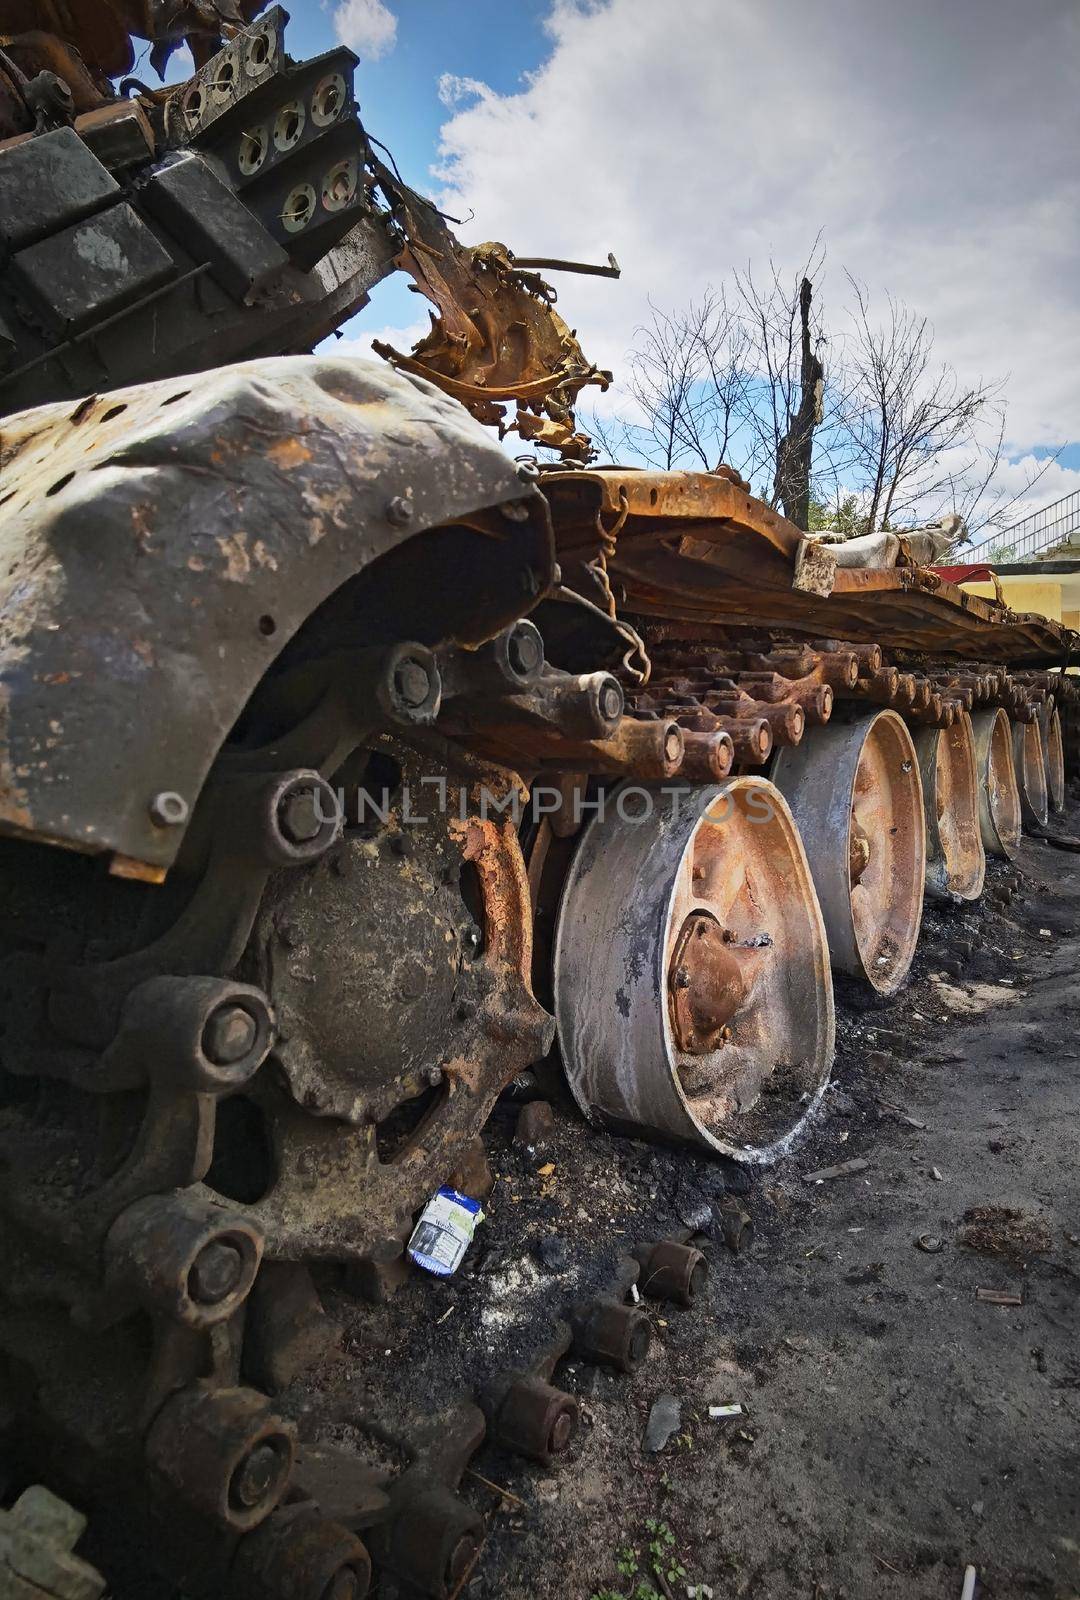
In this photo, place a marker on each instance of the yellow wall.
(1040, 595)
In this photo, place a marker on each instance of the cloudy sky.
(934, 145)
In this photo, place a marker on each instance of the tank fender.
(161, 544)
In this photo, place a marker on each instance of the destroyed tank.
(350, 768)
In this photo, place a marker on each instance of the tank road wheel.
(692, 988)
(1053, 756)
(955, 858)
(1030, 774)
(856, 797)
(999, 796)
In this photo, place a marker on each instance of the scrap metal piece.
(536, 1420)
(608, 1331)
(497, 337)
(100, 30)
(556, 264)
(672, 1271)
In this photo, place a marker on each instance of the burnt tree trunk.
(795, 450)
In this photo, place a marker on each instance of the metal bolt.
(412, 682)
(525, 651)
(611, 701)
(168, 809)
(256, 1476)
(215, 1273)
(298, 817)
(682, 978)
(229, 1035)
(399, 512)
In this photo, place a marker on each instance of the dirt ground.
(896, 1426)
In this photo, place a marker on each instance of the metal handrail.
(1039, 531)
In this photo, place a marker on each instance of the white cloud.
(934, 145)
(366, 26)
(1026, 484)
(402, 339)
(453, 90)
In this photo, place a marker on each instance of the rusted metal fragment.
(98, 31)
(497, 337)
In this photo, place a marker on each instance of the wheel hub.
(708, 984)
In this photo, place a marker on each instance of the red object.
(971, 574)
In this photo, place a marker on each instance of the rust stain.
(288, 454)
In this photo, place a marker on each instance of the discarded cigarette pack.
(444, 1232)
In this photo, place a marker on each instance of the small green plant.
(662, 1557)
(653, 1559)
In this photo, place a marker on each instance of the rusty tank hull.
(349, 768)
(316, 704)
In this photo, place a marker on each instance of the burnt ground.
(896, 1427)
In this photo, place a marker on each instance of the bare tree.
(918, 437)
(729, 378)
(790, 409)
(685, 381)
(888, 436)
(795, 452)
